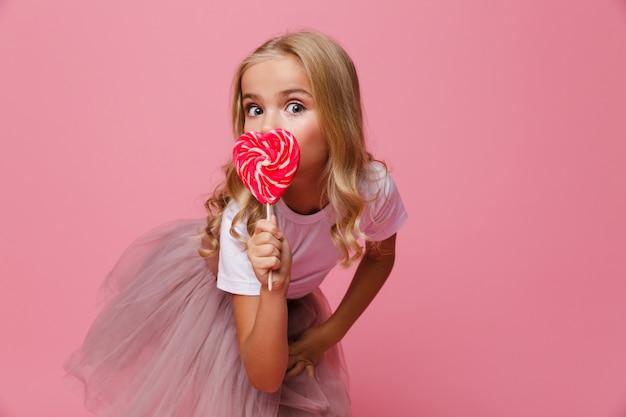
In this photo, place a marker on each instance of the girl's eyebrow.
(249, 95)
(296, 91)
(284, 93)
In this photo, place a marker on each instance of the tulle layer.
(165, 343)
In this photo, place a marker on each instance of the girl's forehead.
(279, 72)
(281, 62)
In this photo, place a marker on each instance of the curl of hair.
(335, 86)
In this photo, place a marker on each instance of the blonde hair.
(335, 89)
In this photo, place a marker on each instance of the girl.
(192, 328)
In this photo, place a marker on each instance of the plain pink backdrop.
(504, 123)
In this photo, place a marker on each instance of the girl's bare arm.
(261, 321)
(371, 274)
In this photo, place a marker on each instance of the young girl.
(191, 328)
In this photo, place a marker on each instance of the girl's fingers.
(264, 225)
(295, 370)
(269, 252)
(300, 366)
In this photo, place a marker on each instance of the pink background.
(504, 123)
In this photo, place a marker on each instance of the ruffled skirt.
(165, 343)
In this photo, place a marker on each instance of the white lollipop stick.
(269, 217)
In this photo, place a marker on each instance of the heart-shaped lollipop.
(266, 163)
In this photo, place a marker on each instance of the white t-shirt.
(313, 251)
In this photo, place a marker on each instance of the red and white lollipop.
(267, 163)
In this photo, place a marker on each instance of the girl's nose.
(270, 121)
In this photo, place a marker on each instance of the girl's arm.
(261, 321)
(370, 275)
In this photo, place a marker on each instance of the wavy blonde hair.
(336, 92)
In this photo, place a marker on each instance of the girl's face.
(277, 94)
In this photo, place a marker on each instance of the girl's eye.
(295, 108)
(254, 110)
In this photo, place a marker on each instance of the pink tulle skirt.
(165, 343)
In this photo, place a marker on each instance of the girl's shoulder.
(376, 182)
(384, 212)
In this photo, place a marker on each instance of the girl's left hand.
(307, 349)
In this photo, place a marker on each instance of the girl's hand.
(307, 349)
(268, 250)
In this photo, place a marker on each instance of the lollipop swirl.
(266, 163)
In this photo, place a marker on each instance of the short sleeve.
(385, 212)
(235, 274)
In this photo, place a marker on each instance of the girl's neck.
(306, 197)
